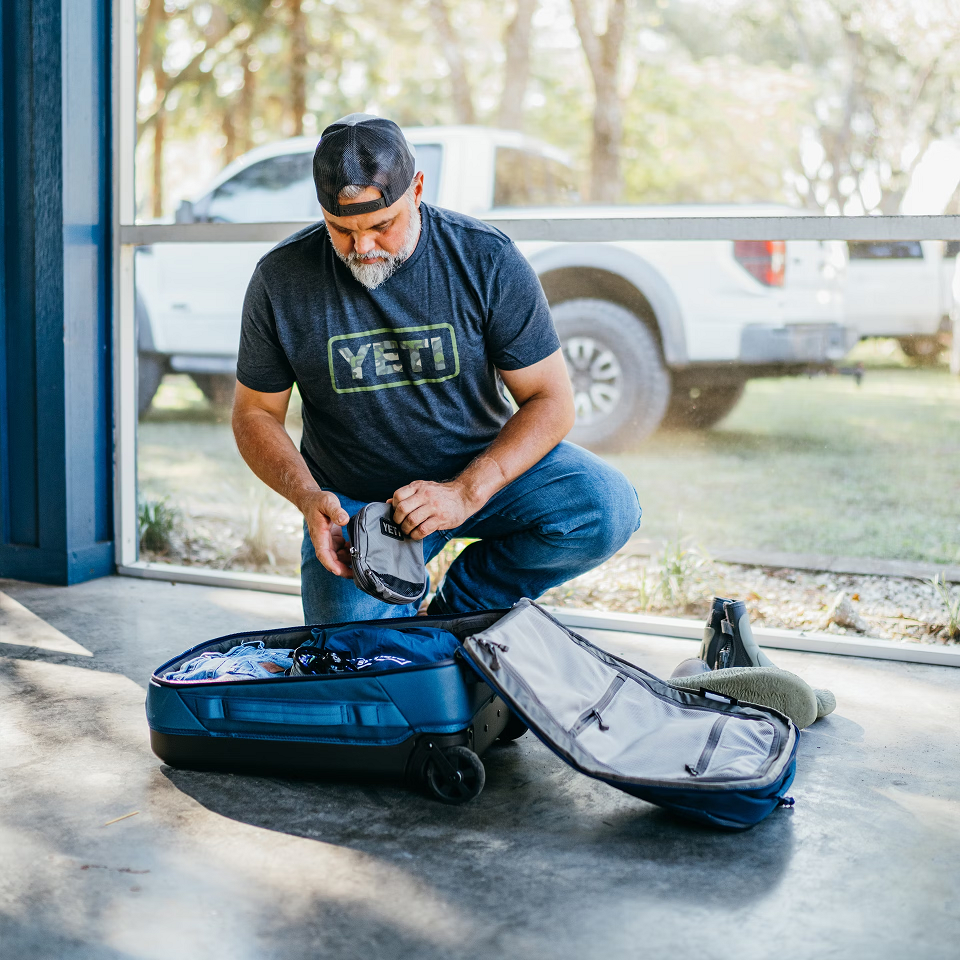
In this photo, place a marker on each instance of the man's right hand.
(325, 521)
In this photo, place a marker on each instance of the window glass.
(526, 179)
(280, 188)
(725, 108)
(563, 183)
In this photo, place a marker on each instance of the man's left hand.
(423, 507)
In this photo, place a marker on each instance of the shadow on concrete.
(534, 814)
(30, 938)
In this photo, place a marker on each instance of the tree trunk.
(450, 45)
(516, 72)
(159, 125)
(603, 57)
(230, 133)
(605, 178)
(298, 65)
(247, 93)
(148, 36)
(159, 129)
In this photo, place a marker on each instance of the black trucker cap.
(367, 151)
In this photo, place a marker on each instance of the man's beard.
(371, 275)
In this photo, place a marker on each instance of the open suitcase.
(427, 722)
(701, 755)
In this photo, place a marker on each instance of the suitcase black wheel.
(454, 774)
(514, 729)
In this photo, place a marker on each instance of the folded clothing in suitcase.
(701, 755)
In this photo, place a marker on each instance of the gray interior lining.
(626, 730)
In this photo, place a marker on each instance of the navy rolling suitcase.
(428, 722)
(698, 754)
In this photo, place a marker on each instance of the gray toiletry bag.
(387, 564)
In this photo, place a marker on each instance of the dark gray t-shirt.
(398, 383)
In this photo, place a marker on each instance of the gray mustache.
(378, 254)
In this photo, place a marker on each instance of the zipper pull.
(491, 646)
(603, 726)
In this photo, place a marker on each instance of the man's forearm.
(270, 453)
(526, 438)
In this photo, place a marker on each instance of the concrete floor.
(545, 863)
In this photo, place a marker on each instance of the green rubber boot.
(713, 636)
(741, 650)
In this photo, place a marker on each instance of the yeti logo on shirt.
(393, 357)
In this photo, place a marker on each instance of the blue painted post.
(56, 478)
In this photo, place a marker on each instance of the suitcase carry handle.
(297, 713)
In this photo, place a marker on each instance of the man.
(401, 323)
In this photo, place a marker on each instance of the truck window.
(950, 249)
(429, 157)
(885, 250)
(277, 189)
(281, 188)
(525, 179)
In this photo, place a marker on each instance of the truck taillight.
(764, 259)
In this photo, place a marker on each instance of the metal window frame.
(124, 131)
(600, 229)
(605, 226)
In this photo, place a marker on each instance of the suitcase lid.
(615, 722)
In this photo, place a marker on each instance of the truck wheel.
(620, 383)
(218, 388)
(696, 408)
(150, 370)
(925, 350)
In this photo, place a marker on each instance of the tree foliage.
(826, 103)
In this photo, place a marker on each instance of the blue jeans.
(566, 514)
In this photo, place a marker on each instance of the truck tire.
(150, 370)
(621, 386)
(925, 350)
(218, 388)
(697, 408)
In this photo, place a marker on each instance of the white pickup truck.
(903, 289)
(652, 332)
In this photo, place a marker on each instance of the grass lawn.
(227, 518)
(816, 466)
(801, 465)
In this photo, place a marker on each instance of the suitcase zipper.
(491, 646)
(594, 712)
(713, 739)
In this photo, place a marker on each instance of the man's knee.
(598, 510)
(613, 511)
